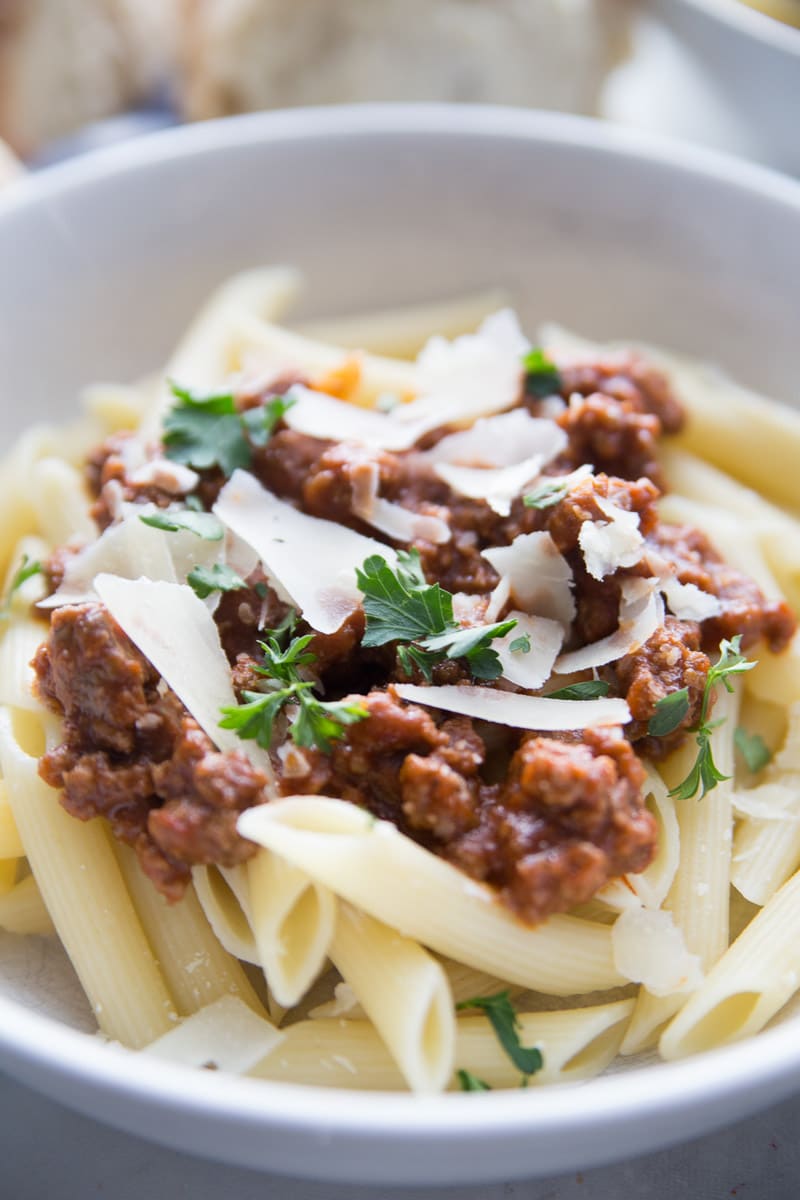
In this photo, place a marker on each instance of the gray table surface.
(48, 1152)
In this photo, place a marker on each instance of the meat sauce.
(544, 820)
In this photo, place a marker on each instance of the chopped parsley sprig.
(670, 711)
(204, 431)
(542, 376)
(401, 606)
(753, 749)
(173, 520)
(314, 722)
(506, 1025)
(204, 581)
(25, 571)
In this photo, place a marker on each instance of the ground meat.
(629, 378)
(131, 754)
(614, 436)
(669, 661)
(242, 616)
(287, 460)
(563, 521)
(568, 817)
(111, 482)
(746, 610)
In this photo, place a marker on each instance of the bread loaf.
(67, 62)
(241, 55)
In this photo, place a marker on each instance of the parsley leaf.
(542, 376)
(669, 712)
(753, 749)
(314, 723)
(589, 689)
(705, 775)
(203, 524)
(204, 431)
(400, 606)
(521, 645)
(471, 1083)
(546, 495)
(25, 571)
(219, 578)
(506, 1023)
(260, 422)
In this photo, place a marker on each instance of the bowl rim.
(646, 1093)
(750, 22)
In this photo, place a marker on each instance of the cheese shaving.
(313, 560)
(499, 486)
(640, 614)
(609, 545)
(396, 522)
(319, 415)
(225, 1035)
(517, 710)
(688, 602)
(531, 668)
(499, 441)
(648, 948)
(176, 633)
(540, 578)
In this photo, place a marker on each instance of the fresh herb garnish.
(25, 571)
(547, 494)
(470, 1083)
(705, 775)
(314, 723)
(204, 431)
(589, 689)
(400, 606)
(203, 524)
(542, 376)
(219, 578)
(753, 749)
(521, 645)
(506, 1023)
(670, 711)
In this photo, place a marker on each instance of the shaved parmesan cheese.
(498, 599)
(399, 523)
(641, 612)
(169, 476)
(499, 441)
(473, 376)
(498, 486)
(516, 710)
(313, 560)
(609, 545)
(540, 578)
(648, 948)
(688, 602)
(176, 633)
(319, 415)
(225, 1035)
(531, 668)
(130, 550)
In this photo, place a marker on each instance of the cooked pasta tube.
(404, 992)
(21, 641)
(766, 849)
(749, 984)
(292, 918)
(23, 911)
(262, 346)
(226, 912)
(223, 1036)
(10, 842)
(8, 876)
(197, 968)
(575, 1044)
(61, 502)
(402, 332)
(85, 894)
(777, 676)
(371, 864)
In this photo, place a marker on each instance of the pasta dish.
(398, 702)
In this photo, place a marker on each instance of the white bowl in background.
(716, 72)
(103, 263)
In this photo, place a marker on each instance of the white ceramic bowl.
(103, 262)
(731, 79)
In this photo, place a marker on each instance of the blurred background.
(78, 73)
